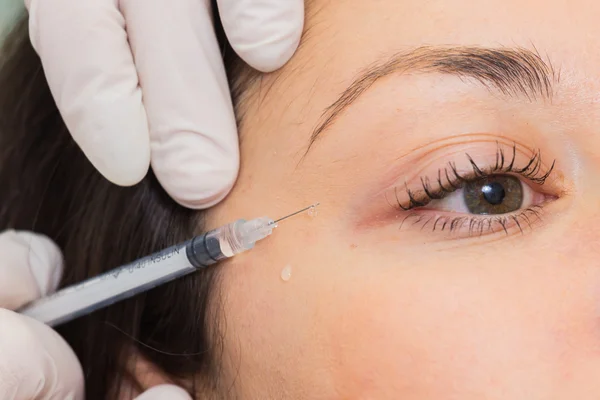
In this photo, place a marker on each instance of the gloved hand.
(35, 362)
(142, 81)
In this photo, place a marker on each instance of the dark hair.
(47, 185)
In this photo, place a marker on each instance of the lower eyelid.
(468, 225)
(461, 225)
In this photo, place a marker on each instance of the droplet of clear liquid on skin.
(286, 273)
(312, 211)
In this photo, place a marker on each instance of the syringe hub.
(231, 239)
(250, 232)
(241, 235)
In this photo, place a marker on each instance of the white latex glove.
(35, 362)
(142, 81)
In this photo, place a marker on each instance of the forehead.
(344, 37)
(375, 26)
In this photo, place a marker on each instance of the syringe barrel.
(111, 287)
(148, 272)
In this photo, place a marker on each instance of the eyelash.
(455, 181)
(478, 224)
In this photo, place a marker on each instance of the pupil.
(497, 194)
(493, 193)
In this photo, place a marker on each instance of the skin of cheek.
(352, 323)
(273, 357)
(367, 322)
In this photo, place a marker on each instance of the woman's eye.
(489, 195)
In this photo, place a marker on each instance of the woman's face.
(492, 291)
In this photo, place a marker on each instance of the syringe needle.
(296, 213)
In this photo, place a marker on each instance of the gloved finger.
(35, 362)
(192, 126)
(91, 73)
(30, 267)
(265, 33)
(162, 392)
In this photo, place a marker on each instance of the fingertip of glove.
(264, 35)
(127, 171)
(161, 392)
(42, 256)
(124, 177)
(45, 261)
(195, 172)
(271, 55)
(202, 191)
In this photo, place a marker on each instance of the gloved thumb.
(30, 267)
(164, 392)
(35, 362)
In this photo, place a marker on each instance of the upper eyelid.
(531, 171)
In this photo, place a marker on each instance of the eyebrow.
(511, 71)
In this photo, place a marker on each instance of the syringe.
(151, 271)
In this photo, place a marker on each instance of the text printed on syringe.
(129, 268)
